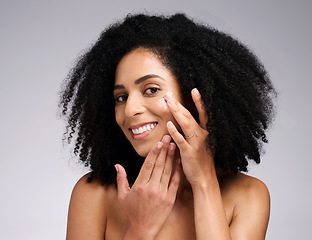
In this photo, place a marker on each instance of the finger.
(182, 115)
(122, 181)
(168, 167)
(171, 99)
(160, 161)
(175, 180)
(149, 163)
(202, 113)
(176, 136)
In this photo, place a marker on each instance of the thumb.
(122, 181)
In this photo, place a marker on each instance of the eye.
(152, 90)
(121, 98)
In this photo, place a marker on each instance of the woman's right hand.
(150, 200)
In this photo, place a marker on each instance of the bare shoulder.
(84, 188)
(254, 189)
(251, 200)
(247, 186)
(88, 209)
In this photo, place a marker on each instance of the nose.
(134, 105)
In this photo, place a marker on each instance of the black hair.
(235, 87)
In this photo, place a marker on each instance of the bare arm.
(198, 166)
(210, 218)
(86, 216)
(252, 215)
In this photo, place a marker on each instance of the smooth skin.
(179, 194)
(153, 192)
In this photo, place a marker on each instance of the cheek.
(162, 104)
(119, 118)
(163, 110)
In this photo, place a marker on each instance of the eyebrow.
(139, 80)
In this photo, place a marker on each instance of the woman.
(171, 111)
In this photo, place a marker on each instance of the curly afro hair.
(234, 86)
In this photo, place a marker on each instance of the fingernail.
(168, 95)
(171, 146)
(159, 145)
(166, 139)
(195, 91)
(116, 167)
(170, 124)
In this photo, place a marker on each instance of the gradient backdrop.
(39, 43)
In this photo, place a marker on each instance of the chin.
(143, 149)
(143, 152)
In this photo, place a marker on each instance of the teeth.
(140, 130)
(143, 129)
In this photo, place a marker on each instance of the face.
(141, 81)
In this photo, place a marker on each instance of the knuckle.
(139, 190)
(203, 134)
(187, 124)
(153, 192)
(167, 172)
(161, 196)
(175, 181)
(175, 109)
(149, 165)
(118, 179)
(181, 142)
(159, 165)
(188, 115)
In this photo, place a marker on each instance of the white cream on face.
(163, 103)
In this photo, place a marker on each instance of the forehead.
(138, 63)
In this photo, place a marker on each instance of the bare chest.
(180, 224)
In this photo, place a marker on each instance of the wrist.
(205, 185)
(206, 176)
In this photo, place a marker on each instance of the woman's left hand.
(196, 158)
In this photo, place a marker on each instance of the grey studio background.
(40, 41)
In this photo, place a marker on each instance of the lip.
(142, 135)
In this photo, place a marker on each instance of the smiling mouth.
(143, 129)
